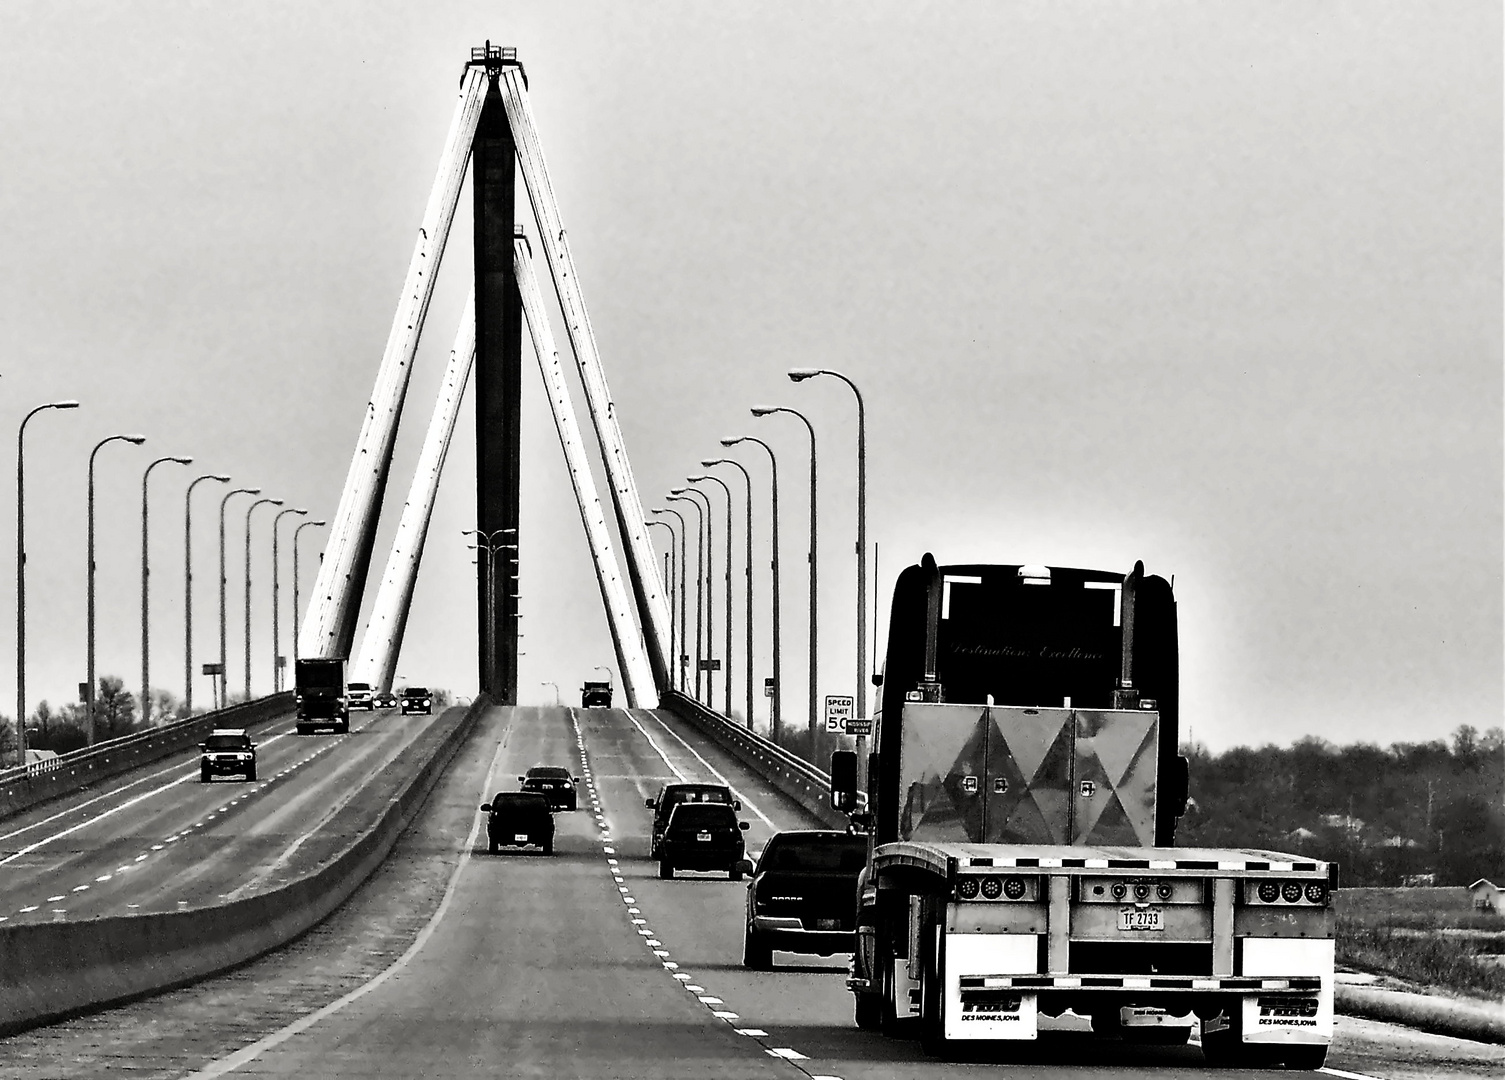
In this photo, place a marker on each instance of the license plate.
(520, 838)
(702, 836)
(1141, 919)
(827, 924)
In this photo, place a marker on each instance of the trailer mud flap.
(976, 1010)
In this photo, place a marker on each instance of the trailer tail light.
(1013, 888)
(966, 888)
(1164, 890)
(1316, 892)
(1269, 892)
(1120, 890)
(1290, 892)
(992, 887)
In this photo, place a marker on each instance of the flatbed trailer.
(1021, 861)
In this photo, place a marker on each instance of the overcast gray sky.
(1213, 286)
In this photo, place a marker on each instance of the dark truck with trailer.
(1023, 795)
(595, 695)
(320, 695)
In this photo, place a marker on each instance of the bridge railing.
(24, 786)
(802, 782)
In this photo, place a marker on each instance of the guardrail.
(52, 970)
(791, 774)
(22, 788)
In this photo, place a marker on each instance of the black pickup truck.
(803, 896)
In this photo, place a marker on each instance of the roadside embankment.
(1439, 1015)
(51, 970)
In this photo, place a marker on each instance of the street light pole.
(776, 718)
(222, 681)
(763, 410)
(251, 510)
(727, 670)
(491, 545)
(708, 525)
(21, 573)
(276, 606)
(679, 661)
(863, 682)
(669, 563)
(699, 578)
(146, 684)
(747, 575)
(299, 529)
(135, 440)
(188, 587)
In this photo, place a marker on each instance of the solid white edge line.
(745, 800)
(246, 1055)
(1347, 1075)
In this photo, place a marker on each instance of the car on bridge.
(554, 783)
(385, 700)
(671, 795)
(803, 895)
(515, 818)
(417, 699)
(703, 836)
(595, 695)
(359, 695)
(227, 751)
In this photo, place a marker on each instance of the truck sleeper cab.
(1023, 799)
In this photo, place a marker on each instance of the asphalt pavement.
(456, 963)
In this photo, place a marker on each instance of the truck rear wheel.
(867, 1010)
(757, 954)
(1309, 1058)
(932, 1003)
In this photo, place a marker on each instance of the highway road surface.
(456, 963)
(157, 839)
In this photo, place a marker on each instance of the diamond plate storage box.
(1014, 775)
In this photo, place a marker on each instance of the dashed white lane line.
(1347, 1075)
(711, 768)
(686, 980)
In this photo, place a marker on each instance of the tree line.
(1386, 816)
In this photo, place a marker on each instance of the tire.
(735, 873)
(251, 774)
(491, 845)
(203, 776)
(665, 869)
(344, 727)
(548, 846)
(867, 1010)
(1157, 1036)
(932, 1023)
(757, 954)
(1226, 1049)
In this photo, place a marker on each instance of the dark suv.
(417, 699)
(703, 836)
(803, 896)
(553, 783)
(519, 817)
(671, 795)
(227, 750)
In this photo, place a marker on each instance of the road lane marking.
(786, 1053)
(248, 1054)
(745, 800)
(1347, 1075)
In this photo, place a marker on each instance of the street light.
(778, 685)
(727, 674)
(699, 576)
(800, 375)
(251, 510)
(683, 598)
(276, 606)
(221, 681)
(146, 685)
(188, 587)
(748, 582)
(21, 573)
(556, 692)
(296, 532)
(769, 410)
(134, 440)
(709, 560)
(669, 563)
(489, 543)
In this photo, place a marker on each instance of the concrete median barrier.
(52, 970)
(23, 788)
(1439, 1015)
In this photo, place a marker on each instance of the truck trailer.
(1022, 801)
(320, 694)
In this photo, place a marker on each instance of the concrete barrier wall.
(802, 782)
(1444, 1016)
(21, 789)
(52, 970)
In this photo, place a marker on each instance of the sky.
(1215, 287)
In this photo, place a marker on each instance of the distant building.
(1487, 896)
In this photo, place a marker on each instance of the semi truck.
(320, 694)
(1022, 801)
